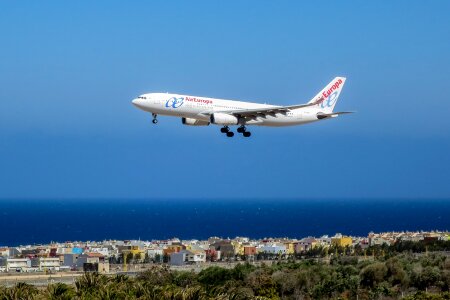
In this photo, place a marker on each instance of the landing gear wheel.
(241, 129)
(155, 120)
(224, 129)
(247, 134)
(230, 134)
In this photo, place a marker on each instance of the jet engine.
(224, 119)
(193, 122)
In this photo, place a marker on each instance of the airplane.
(203, 111)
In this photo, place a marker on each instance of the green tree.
(184, 278)
(157, 275)
(88, 284)
(427, 277)
(146, 258)
(129, 257)
(262, 284)
(137, 257)
(214, 276)
(20, 291)
(286, 282)
(396, 275)
(59, 291)
(373, 274)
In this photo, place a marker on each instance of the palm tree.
(193, 293)
(231, 293)
(2, 291)
(111, 292)
(168, 292)
(148, 291)
(59, 291)
(21, 291)
(90, 283)
(121, 278)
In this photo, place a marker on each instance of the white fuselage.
(201, 108)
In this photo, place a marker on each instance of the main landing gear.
(155, 120)
(226, 130)
(244, 131)
(240, 129)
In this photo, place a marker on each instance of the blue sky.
(68, 72)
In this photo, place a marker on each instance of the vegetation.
(383, 250)
(405, 276)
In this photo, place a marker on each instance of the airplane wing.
(279, 109)
(265, 111)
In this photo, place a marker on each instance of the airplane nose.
(137, 102)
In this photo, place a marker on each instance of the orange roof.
(94, 254)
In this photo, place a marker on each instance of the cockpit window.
(142, 97)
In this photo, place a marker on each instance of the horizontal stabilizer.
(333, 114)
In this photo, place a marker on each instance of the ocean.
(24, 222)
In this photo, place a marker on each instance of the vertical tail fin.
(326, 99)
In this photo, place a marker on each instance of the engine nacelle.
(194, 122)
(224, 119)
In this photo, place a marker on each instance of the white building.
(273, 249)
(185, 257)
(102, 250)
(18, 264)
(4, 252)
(153, 253)
(46, 263)
(197, 256)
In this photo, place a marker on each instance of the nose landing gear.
(155, 120)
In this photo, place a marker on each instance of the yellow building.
(290, 247)
(341, 241)
(135, 250)
(238, 248)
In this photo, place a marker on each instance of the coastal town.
(114, 256)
